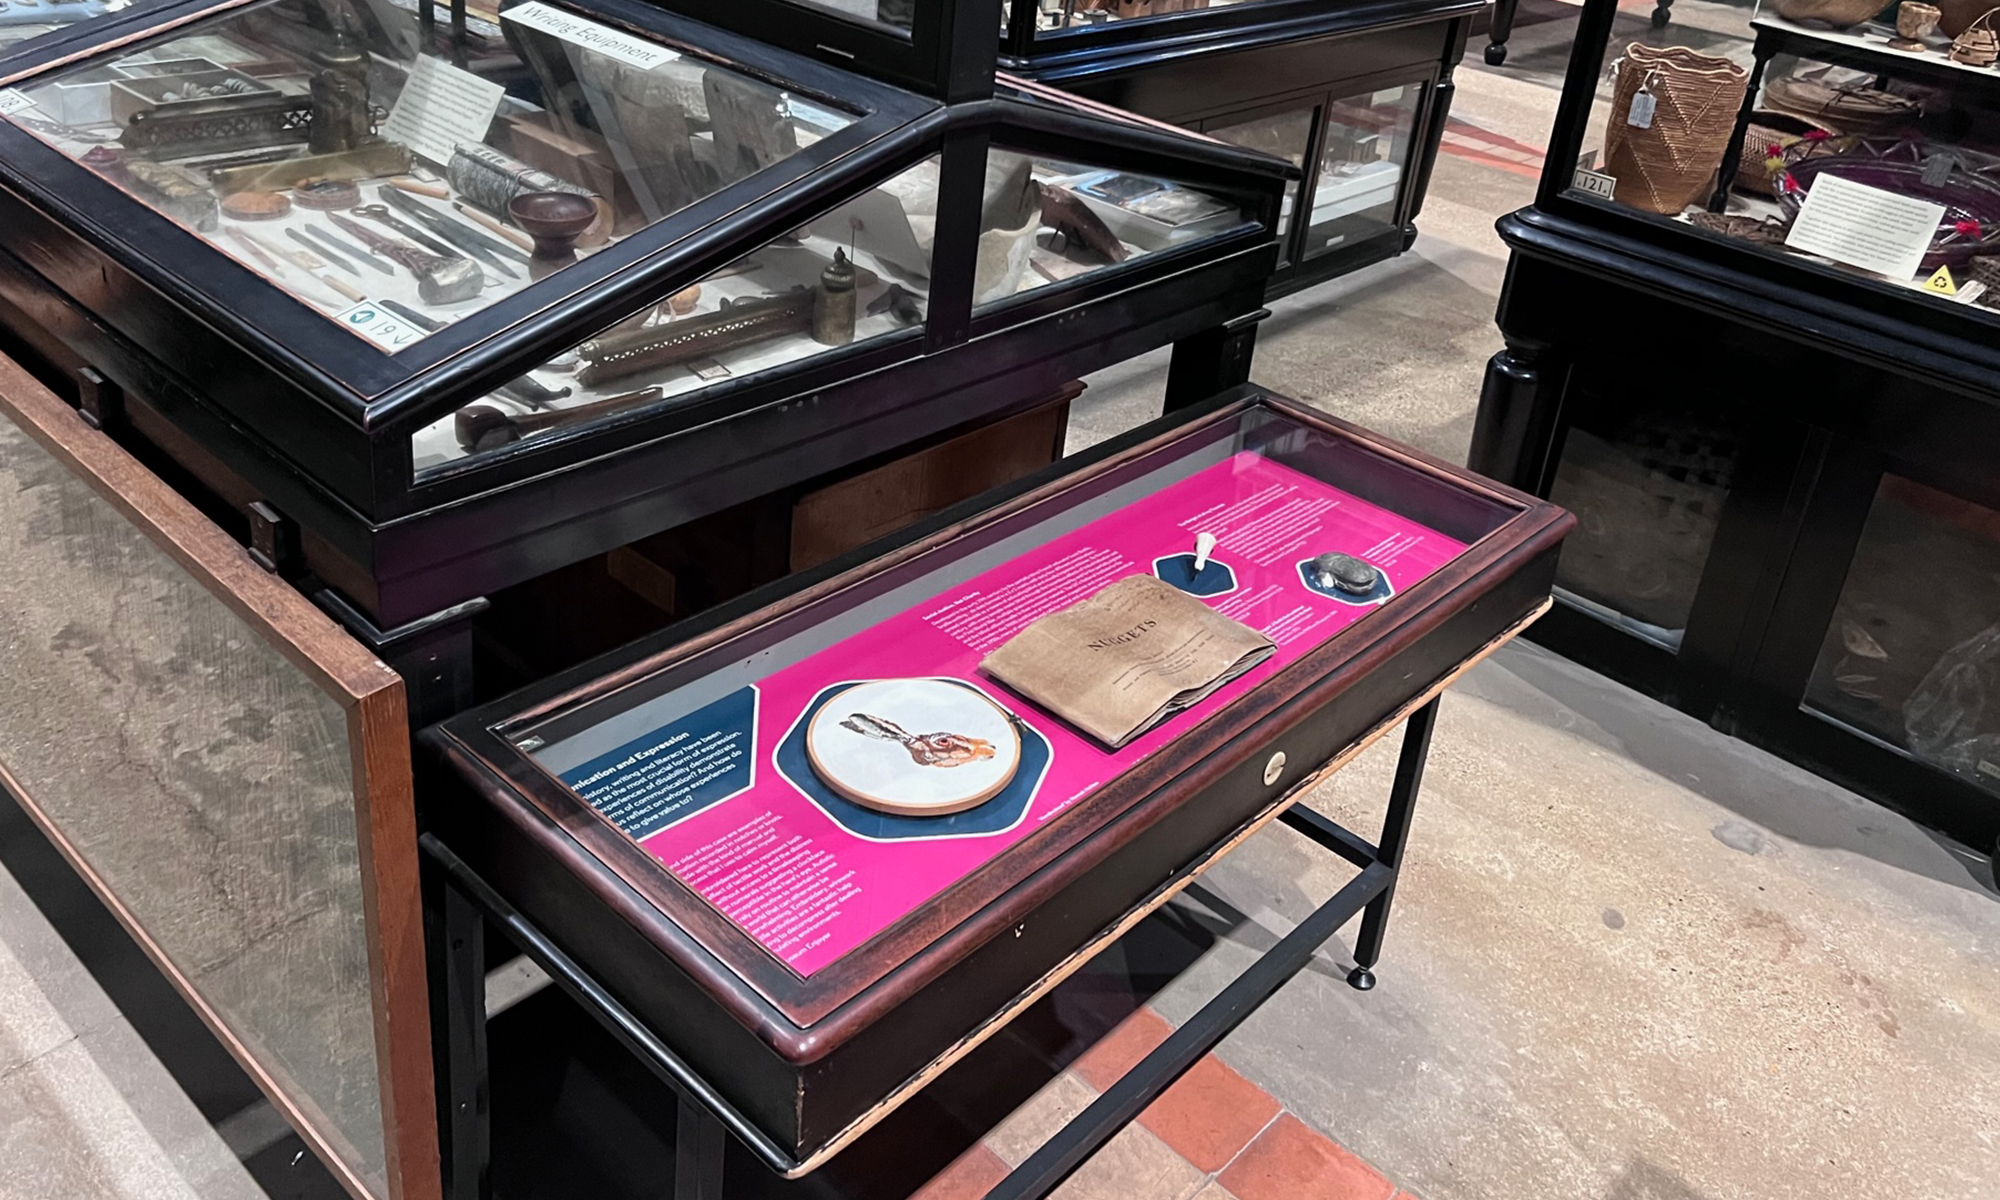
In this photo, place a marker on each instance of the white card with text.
(1865, 227)
(440, 107)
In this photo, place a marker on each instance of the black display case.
(999, 247)
(1355, 95)
(1781, 463)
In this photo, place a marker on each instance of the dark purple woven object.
(1967, 195)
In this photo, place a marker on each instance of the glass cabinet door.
(1286, 135)
(1364, 153)
(1647, 482)
(1912, 655)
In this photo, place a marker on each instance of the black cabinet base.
(1807, 449)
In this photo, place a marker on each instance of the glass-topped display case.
(1355, 96)
(400, 277)
(1750, 341)
(1854, 146)
(740, 833)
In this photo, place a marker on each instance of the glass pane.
(1046, 221)
(1913, 653)
(24, 19)
(858, 272)
(202, 777)
(1647, 486)
(1361, 166)
(1867, 94)
(898, 14)
(790, 777)
(1285, 135)
(322, 145)
(1055, 15)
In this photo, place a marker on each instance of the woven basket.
(1671, 163)
(1979, 45)
(1967, 195)
(1763, 231)
(1841, 109)
(1986, 269)
(1770, 129)
(1839, 13)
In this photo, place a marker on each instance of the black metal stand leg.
(699, 1142)
(1121, 1104)
(1395, 833)
(1662, 13)
(1503, 28)
(1212, 360)
(457, 954)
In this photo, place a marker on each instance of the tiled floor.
(1213, 1136)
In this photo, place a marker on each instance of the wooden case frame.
(371, 697)
(811, 1061)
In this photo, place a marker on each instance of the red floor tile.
(970, 1176)
(1292, 1162)
(1122, 1048)
(1209, 1114)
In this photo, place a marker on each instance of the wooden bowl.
(554, 219)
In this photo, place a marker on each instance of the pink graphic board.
(727, 798)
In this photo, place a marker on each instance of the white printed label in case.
(13, 100)
(441, 106)
(601, 38)
(380, 326)
(1597, 183)
(1867, 227)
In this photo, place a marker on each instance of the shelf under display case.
(433, 275)
(817, 957)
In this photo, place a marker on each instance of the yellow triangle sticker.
(1941, 283)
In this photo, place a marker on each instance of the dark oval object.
(1346, 573)
(553, 219)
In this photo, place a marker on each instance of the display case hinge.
(100, 402)
(274, 538)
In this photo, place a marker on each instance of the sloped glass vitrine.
(317, 145)
(1849, 146)
(401, 282)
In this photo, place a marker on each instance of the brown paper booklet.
(1126, 659)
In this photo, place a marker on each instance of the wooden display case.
(807, 1042)
(1356, 96)
(1781, 465)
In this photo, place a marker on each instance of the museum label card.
(1865, 227)
(440, 107)
(590, 34)
(379, 325)
(14, 100)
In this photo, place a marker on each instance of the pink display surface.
(728, 801)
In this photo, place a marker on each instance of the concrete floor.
(1632, 959)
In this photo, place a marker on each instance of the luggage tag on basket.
(1640, 115)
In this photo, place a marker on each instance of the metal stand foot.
(1496, 54)
(1395, 833)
